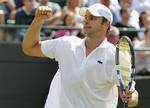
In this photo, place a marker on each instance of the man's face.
(92, 24)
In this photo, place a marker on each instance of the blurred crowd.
(131, 15)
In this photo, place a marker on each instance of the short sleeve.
(49, 47)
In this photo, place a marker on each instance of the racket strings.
(125, 62)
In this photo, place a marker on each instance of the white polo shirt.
(82, 81)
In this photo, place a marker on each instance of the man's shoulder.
(71, 39)
(111, 47)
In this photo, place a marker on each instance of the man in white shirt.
(85, 77)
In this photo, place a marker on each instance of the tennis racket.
(125, 64)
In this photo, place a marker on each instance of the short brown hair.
(105, 20)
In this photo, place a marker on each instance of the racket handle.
(125, 104)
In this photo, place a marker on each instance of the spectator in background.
(6, 7)
(19, 3)
(24, 15)
(134, 15)
(144, 22)
(144, 19)
(74, 7)
(68, 20)
(113, 35)
(62, 3)
(91, 2)
(141, 5)
(125, 16)
(143, 58)
(55, 19)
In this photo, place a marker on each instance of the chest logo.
(99, 62)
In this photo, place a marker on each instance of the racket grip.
(125, 104)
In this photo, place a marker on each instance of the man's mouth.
(87, 27)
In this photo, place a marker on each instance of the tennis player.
(85, 77)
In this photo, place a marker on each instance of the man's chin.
(87, 32)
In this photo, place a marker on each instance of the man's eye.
(91, 18)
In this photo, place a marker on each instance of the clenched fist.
(43, 13)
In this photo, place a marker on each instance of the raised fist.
(43, 13)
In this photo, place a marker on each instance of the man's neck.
(92, 43)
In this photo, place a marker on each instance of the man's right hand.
(43, 13)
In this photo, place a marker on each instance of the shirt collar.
(81, 43)
(104, 44)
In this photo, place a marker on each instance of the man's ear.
(108, 25)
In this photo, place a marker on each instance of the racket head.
(125, 60)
